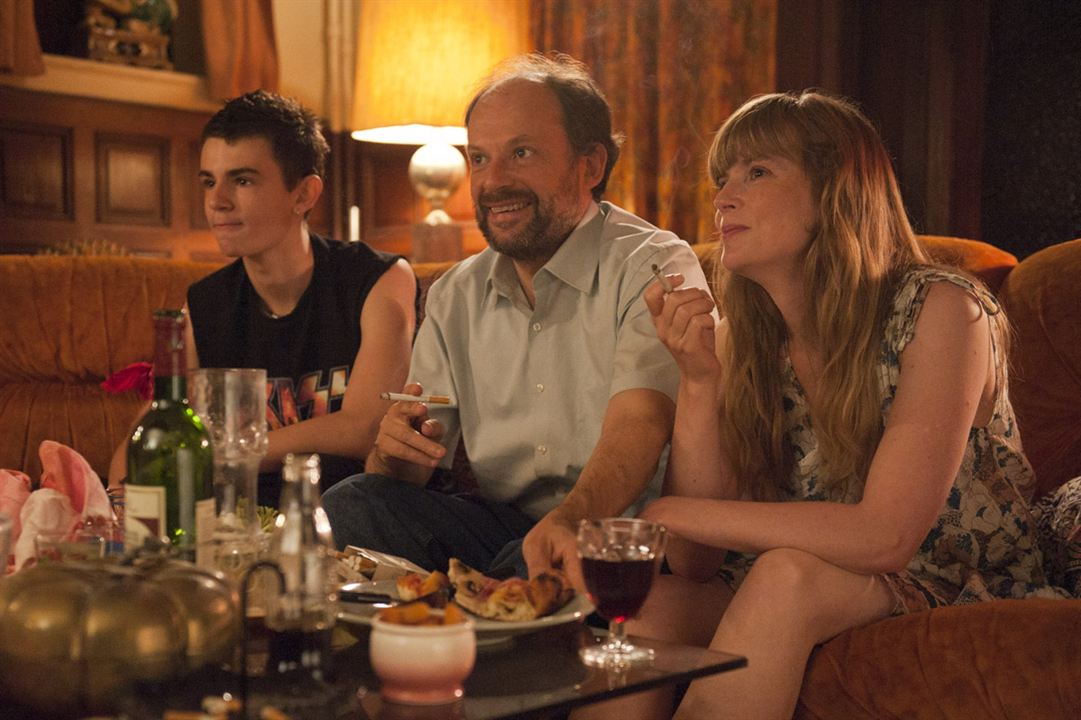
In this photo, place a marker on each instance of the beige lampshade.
(419, 63)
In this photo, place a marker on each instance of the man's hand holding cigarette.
(407, 446)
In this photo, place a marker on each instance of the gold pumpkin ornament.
(73, 638)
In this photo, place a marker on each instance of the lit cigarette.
(430, 399)
(665, 285)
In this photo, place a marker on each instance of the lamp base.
(436, 243)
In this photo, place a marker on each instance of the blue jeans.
(425, 526)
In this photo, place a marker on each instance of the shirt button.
(540, 387)
(542, 449)
(536, 327)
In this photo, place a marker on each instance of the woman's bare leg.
(789, 602)
(677, 610)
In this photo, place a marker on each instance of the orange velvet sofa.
(70, 322)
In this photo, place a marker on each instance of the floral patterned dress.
(983, 544)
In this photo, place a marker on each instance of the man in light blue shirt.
(560, 390)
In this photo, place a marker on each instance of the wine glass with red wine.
(619, 557)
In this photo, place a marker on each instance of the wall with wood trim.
(84, 170)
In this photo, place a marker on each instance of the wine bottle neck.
(171, 387)
(170, 362)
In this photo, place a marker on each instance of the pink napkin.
(71, 494)
(14, 490)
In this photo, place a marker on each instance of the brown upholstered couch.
(67, 323)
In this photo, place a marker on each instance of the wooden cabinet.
(84, 170)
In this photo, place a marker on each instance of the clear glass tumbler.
(231, 402)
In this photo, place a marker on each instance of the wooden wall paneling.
(339, 186)
(389, 206)
(196, 208)
(132, 179)
(145, 197)
(85, 227)
(36, 171)
(387, 199)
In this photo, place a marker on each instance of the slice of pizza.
(432, 588)
(510, 600)
(471, 587)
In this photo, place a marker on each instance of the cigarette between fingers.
(665, 285)
(430, 399)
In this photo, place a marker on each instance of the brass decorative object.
(74, 637)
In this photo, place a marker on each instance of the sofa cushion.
(83, 318)
(1042, 297)
(79, 415)
(985, 261)
(1001, 659)
(70, 322)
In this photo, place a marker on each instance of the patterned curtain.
(673, 70)
(241, 54)
(20, 49)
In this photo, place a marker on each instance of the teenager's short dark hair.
(294, 132)
(587, 117)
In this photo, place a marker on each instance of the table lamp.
(418, 65)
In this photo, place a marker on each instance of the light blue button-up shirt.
(530, 386)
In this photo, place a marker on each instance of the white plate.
(488, 631)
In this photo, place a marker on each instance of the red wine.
(618, 587)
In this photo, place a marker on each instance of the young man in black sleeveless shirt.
(331, 322)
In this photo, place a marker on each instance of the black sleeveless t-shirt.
(308, 354)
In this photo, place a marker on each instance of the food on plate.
(420, 613)
(352, 567)
(433, 588)
(511, 600)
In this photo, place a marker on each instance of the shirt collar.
(575, 262)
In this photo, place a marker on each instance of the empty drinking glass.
(231, 402)
(62, 546)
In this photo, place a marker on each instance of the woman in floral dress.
(844, 446)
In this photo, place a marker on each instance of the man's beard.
(542, 235)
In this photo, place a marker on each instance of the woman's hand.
(685, 324)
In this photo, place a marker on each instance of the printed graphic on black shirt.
(288, 405)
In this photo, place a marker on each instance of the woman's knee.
(785, 576)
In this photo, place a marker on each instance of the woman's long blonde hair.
(860, 247)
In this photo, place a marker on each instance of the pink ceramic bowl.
(422, 664)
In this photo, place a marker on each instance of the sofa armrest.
(1042, 297)
(991, 660)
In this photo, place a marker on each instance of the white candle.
(354, 223)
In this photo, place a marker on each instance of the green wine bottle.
(169, 491)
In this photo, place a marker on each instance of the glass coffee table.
(538, 675)
(529, 676)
